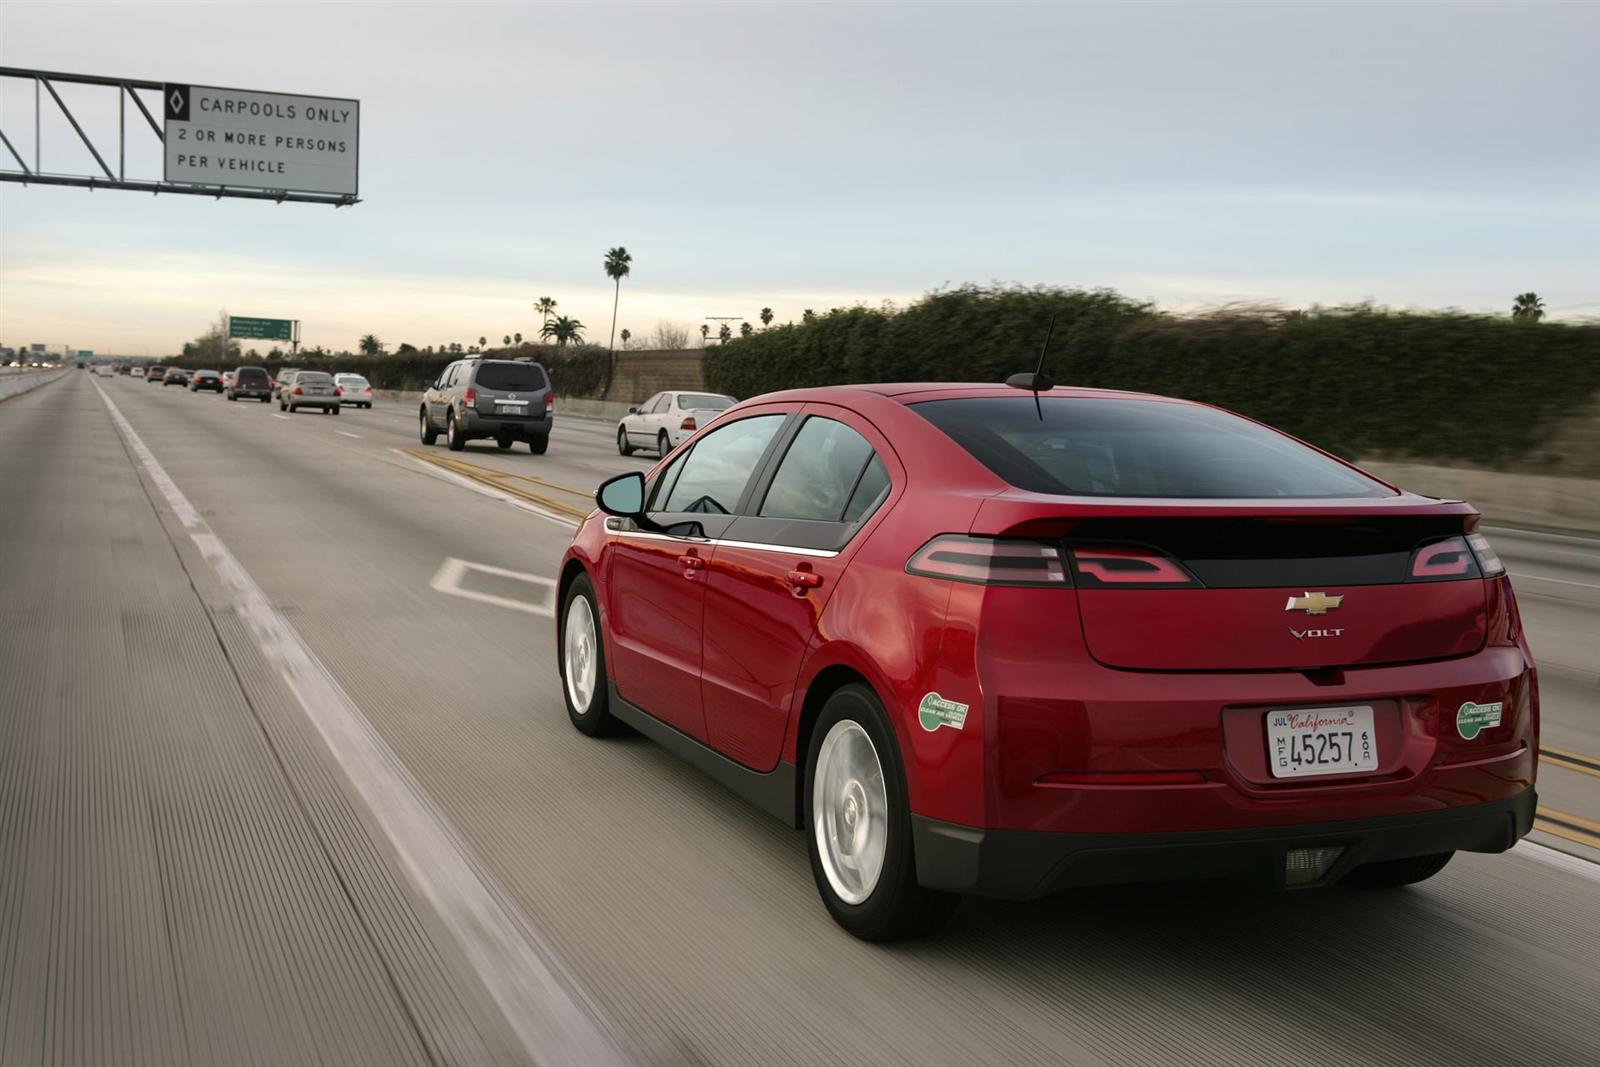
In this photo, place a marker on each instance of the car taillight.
(1443, 561)
(297, 391)
(688, 424)
(989, 561)
(338, 390)
(1488, 559)
(1118, 565)
(549, 403)
(471, 398)
(367, 391)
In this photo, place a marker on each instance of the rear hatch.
(1199, 540)
(1276, 593)
(514, 390)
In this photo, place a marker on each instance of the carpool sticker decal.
(1474, 718)
(935, 711)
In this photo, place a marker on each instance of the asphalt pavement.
(285, 777)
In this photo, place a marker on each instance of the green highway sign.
(84, 353)
(261, 329)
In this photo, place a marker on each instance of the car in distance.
(667, 419)
(135, 372)
(252, 383)
(507, 400)
(976, 640)
(205, 379)
(357, 391)
(310, 389)
(175, 376)
(281, 384)
(155, 374)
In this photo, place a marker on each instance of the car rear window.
(1087, 446)
(352, 379)
(313, 377)
(251, 374)
(514, 377)
(705, 402)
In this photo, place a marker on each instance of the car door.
(774, 570)
(437, 399)
(654, 580)
(639, 431)
(658, 416)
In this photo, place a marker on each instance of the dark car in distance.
(252, 383)
(205, 379)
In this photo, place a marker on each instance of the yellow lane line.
(1570, 761)
(500, 480)
(1571, 827)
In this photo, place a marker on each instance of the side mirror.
(633, 411)
(622, 496)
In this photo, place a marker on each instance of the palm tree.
(705, 333)
(482, 341)
(626, 337)
(745, 329)
(508, 340)
(725, 333)
(766, 317)
(518, 338)
(370, 345)
(808, 315)
(546, 307)
(1527, 308)
(562, 329)
(617, 262)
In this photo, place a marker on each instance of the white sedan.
(667, 419)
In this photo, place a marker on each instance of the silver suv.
(507, 400)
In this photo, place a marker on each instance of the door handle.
(691, 565)
(800, 581)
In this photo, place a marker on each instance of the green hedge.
(574, 371)
(1356, 381)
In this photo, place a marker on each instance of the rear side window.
(716, 470)
(1084, 446)
(510, 377)
(818, 474)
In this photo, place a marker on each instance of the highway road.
(285, 777)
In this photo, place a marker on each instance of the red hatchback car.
(980, 640)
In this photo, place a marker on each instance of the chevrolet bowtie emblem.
(1313, 603)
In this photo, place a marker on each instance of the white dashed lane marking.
(453, 572)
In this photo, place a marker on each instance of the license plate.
(511, 409)
(1321, 741)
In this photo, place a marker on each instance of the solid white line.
(552, 1018)
(347, 433)
(484, 490)
(1525, 576)
(276, 415)
(1554, 857)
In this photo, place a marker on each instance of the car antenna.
(1037, 381)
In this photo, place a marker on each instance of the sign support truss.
(44, 84)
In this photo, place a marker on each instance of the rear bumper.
(314, 401)
(490, 426)
(1021, 865)
(252, 394)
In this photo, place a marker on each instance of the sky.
(818, 155)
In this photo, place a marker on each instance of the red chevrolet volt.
(996, 641)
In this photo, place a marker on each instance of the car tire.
(452, 433)
(231, 397)
(502, 443)
(266, 400)
(539, 445)
(282, 406)
(857, 823)
(1391, 874)
(582, 662)
(663, 443)
(293, 408)
(337, 408)
(428, 433)
(623, 447)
